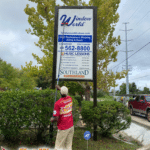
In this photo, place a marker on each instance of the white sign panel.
(75, 44)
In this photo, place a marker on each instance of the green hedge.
(100, 93)
(78, 98)
(108, 116)
(20, 109)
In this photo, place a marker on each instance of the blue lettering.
(65, 19)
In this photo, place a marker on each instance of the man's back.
(63, 109)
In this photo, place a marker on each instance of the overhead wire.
(133, 13)
(141, 34)
(136, 10)
(140, 77)
(137, 26)
(140, 21)
(132, 55)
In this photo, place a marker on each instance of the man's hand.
(58, 87)
(54, 118)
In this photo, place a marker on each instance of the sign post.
(76, 45)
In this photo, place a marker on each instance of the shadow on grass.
(27, 139)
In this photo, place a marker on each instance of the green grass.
(102, 143)
(106, 98)
(79, 143)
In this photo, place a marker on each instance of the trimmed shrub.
(110, 116)
(23, 109)
(100, 93)
(78, 98)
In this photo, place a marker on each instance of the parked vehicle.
(140, 106)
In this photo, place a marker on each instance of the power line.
(136, 9)
(140, 77)
(132, 55)
(140, 35)
(140, 19)
(143, 17)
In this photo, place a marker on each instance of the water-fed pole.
(51, 124)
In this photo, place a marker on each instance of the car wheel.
(148, 116)
(131, 111)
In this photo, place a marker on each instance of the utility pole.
(127, 77)
(115, 82)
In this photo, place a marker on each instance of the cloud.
(16, 46)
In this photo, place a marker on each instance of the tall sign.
(74, 43)
(75, 40)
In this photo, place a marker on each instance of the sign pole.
(87, 144)
(95, 68)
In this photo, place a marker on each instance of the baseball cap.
(64, 90)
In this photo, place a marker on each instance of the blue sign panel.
(75, 38)
(87, 135)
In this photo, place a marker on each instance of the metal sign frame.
(94, 79)
(94, 42)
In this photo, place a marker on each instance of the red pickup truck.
(140, 106)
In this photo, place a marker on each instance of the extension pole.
(51, 125)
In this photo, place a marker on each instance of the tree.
(13, 78)
(42, 18)
(8, 76)
(146, 90)
(133, 89)
(41, 74)
(122, 88)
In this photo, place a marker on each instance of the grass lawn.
(102, 143)
(79, 143)
(105, 98)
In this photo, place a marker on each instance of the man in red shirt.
(63, 115)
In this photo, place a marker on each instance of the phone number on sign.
(78, 48)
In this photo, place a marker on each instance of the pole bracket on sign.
(64, 23)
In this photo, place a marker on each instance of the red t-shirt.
(63, 109)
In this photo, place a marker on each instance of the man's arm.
(58, 87)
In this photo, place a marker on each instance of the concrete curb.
(146, 147)
(122, 140)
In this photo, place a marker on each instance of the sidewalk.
(146, 147)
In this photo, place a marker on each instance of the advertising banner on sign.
(74, 41)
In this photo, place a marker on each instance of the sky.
(16, 46)
(137, 16)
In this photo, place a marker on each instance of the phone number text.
(78, 48)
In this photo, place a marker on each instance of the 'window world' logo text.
(81, 21)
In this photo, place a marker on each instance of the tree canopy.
(133, 89)
(13, 78)
(42, 19)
